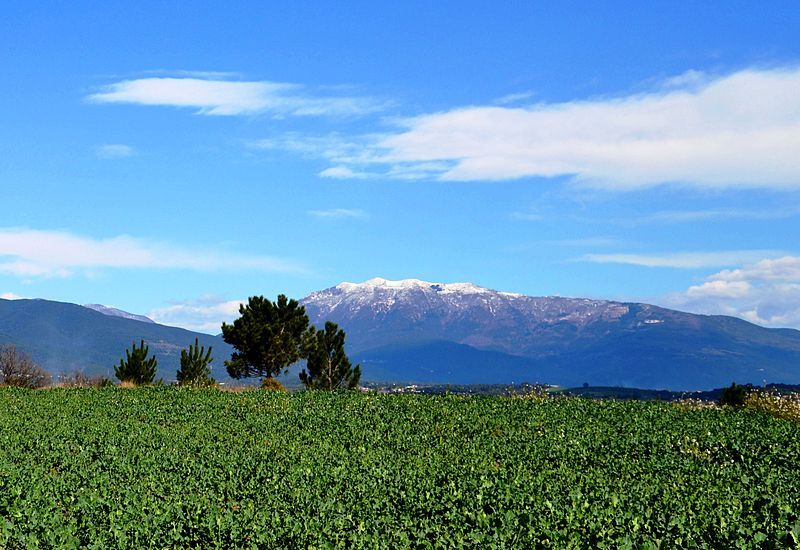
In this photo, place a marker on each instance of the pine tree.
(137, 368)
(328, 367)
(268, 337)
(195, 366)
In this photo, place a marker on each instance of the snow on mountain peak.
(114, 312)
(377, 283)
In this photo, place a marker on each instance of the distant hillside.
(64, 337)
(417, 331)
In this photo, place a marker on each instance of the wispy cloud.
(514, 98)
(586, 242)
(114, 151)
(710, 214)
(339, 213)
(527, 216)
(211, 96)
(742, 129)
(766, 292)
(31, 253)
(682, 260)
(205, 314)
(333, 147)
(10, 296)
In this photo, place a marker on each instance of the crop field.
(164, 467)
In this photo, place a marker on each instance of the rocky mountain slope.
(432, 332)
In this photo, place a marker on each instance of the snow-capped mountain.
(399, 311)
(114, 312)
(461, 332)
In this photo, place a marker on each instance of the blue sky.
(174, 160)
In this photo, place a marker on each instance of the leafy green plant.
(195, 369)
(107, 468)
(137, 368)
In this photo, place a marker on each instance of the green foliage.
(328, 367)
(195, 367)
(136, 368)
(208, 469)
(268, 337)
(734, 395)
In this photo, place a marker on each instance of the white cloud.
(339, 213)
(343, 172)
(38, 253)
(114, 151)
(204, 315)
(742, 129)
(680, 260)
(10, 296)
(211, 96)
(766, 292)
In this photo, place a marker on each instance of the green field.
(164, 467)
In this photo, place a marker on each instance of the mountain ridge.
(418, 331)
(115, 312)
(63, 337)
(568, 340)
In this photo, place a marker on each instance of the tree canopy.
(137, 368)
(268, 337)
(328, 367)
(195, 366)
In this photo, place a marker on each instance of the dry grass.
(786, 406)
(77, 379)
(270, 384)
(690, 404)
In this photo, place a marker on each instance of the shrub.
(19, 370)
(734, 395)
(78, 379)
(270, 384)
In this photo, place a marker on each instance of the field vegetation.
(186, 467)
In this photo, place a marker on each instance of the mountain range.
(414, 331)
(419, 331)
(63, 337)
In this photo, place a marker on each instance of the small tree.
(17, 369)
(328, 367)
(137, 369)
(195, 366)
(735, 395)
(268, 337)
